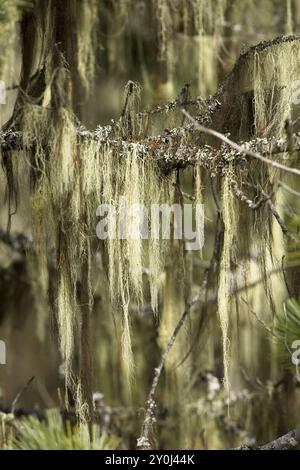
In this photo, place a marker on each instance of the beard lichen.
(54, 221)
(204, 20)
(289, 17)
(87, 39)
(209, 19)
(71, 176)
(274, 71)
(224, 287)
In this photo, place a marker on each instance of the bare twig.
(283, 269)
(143, 441)
(260, 321)
(210, 103)
(239, 148)
(19, 394)
(287, 188)
(281, 223)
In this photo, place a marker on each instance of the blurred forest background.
(174, 50)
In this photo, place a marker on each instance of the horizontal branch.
(168, 149)
(286, 442)
(209, 104)
(171, 147)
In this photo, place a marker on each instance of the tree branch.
(286, 442)
(240, 149)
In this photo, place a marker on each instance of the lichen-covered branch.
(165, 148)
(286, 442)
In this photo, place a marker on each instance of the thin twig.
(19, 394)
(143, 441)
(211, 103)
(283, 268)
(287, 188)
(238, 148)
(259, 319)
(281, 223)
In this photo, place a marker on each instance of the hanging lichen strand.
(289, 17)
(72, 172)
(229, 214)
(205, 20)
(135, 178)
(43, 113)
(261, 107)
(274, 73)
(55, 211)
(87, 42)
(69, 181)
(10, 13)
(209, 23)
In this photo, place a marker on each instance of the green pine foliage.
(288, 329)
(54, 435)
